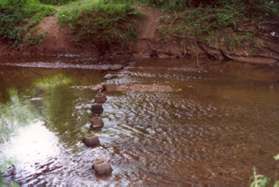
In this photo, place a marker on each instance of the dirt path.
(150, 24)
(56, 37)
(147, 31)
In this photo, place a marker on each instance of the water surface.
(217, 123)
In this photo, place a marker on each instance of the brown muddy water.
(214, 125)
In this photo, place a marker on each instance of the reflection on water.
(16, 113)
(31, 144)
(57, 104)
(218, 123)
(53, 82)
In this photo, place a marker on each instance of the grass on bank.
(17, 17)
(105, 22)
(216, 23)
(212, 26)
(101, 22)
(229, 23)
(95, 21)
(55, 2)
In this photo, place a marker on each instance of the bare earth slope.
(59, 40)
(147, 31)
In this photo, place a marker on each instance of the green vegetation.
(19, 16)
(261, 180)
(17, 112)
(252, 7)
(105, 22)
(55, 2)
(168, 4)
(58, 98)
(100, 22)
(224, 22)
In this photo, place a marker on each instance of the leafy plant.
(261, 180)
(18, 16)
(55, 2)
(100, 22)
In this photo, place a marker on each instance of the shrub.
(168, 4)
(55, 2)
(100, 22)
(18, 16)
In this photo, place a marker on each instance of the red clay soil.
(59, 41)
(147, 31)
(150, 44)
(57, 38)
(150, 23)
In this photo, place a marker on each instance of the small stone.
(91, 141)
(102, 167)
(99, 88)
(116, 67)
(96, 122)
(110, 76)
(154, 54)
(100, 99)
(97, 109)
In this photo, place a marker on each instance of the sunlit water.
(217, 123)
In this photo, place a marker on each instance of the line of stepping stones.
(102, 167)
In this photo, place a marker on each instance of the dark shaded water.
(217, 123)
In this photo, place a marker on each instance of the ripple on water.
(214, 128)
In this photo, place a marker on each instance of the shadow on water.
(217, 123)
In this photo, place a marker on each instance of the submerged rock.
(99, 88)
(102, 167)
(92, 141)
(100, 98)
(115, 67)
(96, 122)
(10, 172)
(111, 76)
(97, 109)
(154, 54)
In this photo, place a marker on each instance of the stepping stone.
(97, 109)
(92, 141)
(100, 99)
(96, 122)
(102, 167)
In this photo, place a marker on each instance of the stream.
(176, 124)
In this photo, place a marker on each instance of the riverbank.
(114, 29)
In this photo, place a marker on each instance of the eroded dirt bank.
(150, 44)
(60, 40)
(57, 41)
